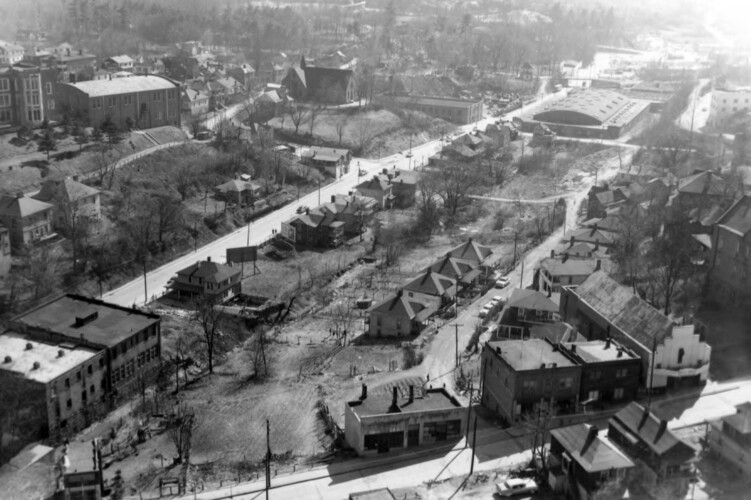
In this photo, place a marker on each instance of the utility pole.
(145, 286)
(195, 237)
(474, 443)
(469, 413)
(319, 193)
(268, 460)
(516, 237)
(521, 280)
(456, 343)
(651, 375)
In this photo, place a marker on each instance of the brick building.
(130, 339)
(28, 220)
(27, 95)
(138, 101)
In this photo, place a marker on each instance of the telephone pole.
(456, 342)
(469, 413)
(268, 460)
(474, 443)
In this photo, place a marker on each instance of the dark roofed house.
(556, 272)
(207, 278)
(594, 235)
(431, 287)
(646, 438)
(730, 263)
(731, 439)
(318, 228)
(378, 188)
(333, 161)
(672, 355)
(29, 220)
(522, 373)
(471, 251)
(72, 200)
(313, 83)
(463, 271)
(238, 192)
(402, 415)
(399, 315)
(702, 188)
(526, 309)
(582, 457)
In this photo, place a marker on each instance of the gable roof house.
(331, 160)
(313, 83)
(525, 309)
(730, 264)
(399, 315)
(28, 220)
(463, 271)
(119, 63)
(646, 438)
(238, 192)
(207, 278)
(378, 188)
(431, 287)
(318, 228)
(702, 188)
(195, 102)
(471, 251)
(72, 201)
(672, 355)
(556, 272)
(582, 458)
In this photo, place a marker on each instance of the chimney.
(597, 245)
(29, 346)
(498, 350)
(644, 418)
(607, 343)
(661, 430)
(394, 408)
(19, 195)
(571, 243)
(411, 393)
(620, 352)
(598, 266)
(573, 347)
(75, 178)
(208, 259)
(399, 292)
(333, 198)
(35, 366)
(552, 254)
(364, 394)
(591, 436)
(7, 359)
(60, 353)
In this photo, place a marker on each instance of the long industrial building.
(595, 113)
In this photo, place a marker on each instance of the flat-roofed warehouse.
(597, 113)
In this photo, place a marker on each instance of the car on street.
(502, 282)
(516, 486)
(301, 209)
(363, 172)
(485, 310)
(497, 301)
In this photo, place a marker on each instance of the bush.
(410, 357)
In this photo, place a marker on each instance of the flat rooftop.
(523, 355)
(24, 354)
(131, 84)
(379, 399)
(598, 351)
(445, 102)
(95, 321)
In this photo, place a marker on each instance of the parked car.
(485, 310)
(502, 282)
(301, 209)
(516, 486)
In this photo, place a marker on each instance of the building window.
(91, 388)
(565, 383)
(69, 403)
(48, 88)
(111, 101)
(90, 370)
(159, 115)
(127, 100)
(5, 115)
(5, 101)
(67, 382)
(4, 84)
(78, 375)
(33, 83)
(618, 393)
(96, 103)
(621, 373)
(157, 96)
(170, 94)
(50, 104)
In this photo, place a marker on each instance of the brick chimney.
(591, 436)
(394, 408)
(411, 393)
(19, 195)
(364, 393)
(598, 265)
(661, 430)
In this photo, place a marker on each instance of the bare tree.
(454, 182)
(428, 211)
(339, 125)
(342, 318)
(180, 428)
(208, 315)
(363, 128)
(314, 112)
(297, 114)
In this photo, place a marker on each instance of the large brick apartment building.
(137, 101)
(27, 95)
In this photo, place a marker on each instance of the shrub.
(410, 357)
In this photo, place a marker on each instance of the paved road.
(134, 291)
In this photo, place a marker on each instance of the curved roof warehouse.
(598, 113)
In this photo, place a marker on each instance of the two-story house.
(5, 251)
(526, 309)
(583, 460)
(730, 438)
(672, 355)
(317, 228)
(28, 220)
(647, 439)
(333, 161)
(463, 271)
(521, 375)
(74, 202)
(472, 252)
(194, 102)
(730, 262)
(379, 189)
(556, 272)
(208, 279)
(119, 63)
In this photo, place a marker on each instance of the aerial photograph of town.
(375, 249)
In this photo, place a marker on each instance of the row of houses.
(407, 311)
